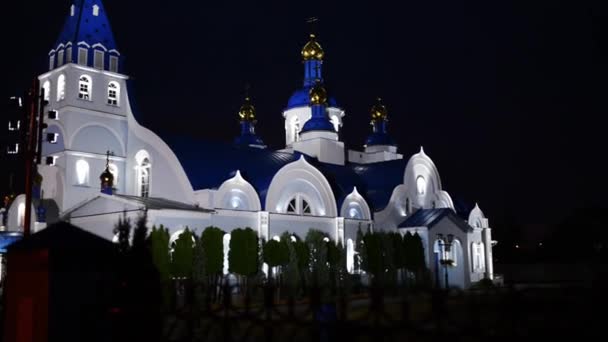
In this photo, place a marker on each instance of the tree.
(242, 257)
(275, 255)
(418, 253)
(399, 251)
(316, 242)
(182, 256)
(291, 273)
(212, 241)
(123, 229)
(140, 232)
(361, 256)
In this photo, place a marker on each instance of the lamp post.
(446, 246)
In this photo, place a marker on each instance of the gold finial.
(318, 94)
(312, 49)
(378, 111)
(247, 111)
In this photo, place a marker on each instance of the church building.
(315, 181)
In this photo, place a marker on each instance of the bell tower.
(87, 107)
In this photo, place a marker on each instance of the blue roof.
(84, 26)
(209, 164)
(300, 98)
(8, 238)
(430, 217)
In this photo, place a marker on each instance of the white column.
(487, 241)
(263, 225)
(339, 237)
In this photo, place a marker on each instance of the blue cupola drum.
(379, 136)
(319, 120)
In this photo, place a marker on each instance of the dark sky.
(500, 94)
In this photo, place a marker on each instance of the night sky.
(500, 94)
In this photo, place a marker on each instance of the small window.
(50, 160)
(53, 115)
(60, 58)
(113, 64)
(98, 60)
(14, 125)
(84, 88)
(12, 149)
(95, 10)
(113, 93)
(68, 57)
(52, 137)
(82, 56)
(61, 88)
(51, 62)
(72, 10)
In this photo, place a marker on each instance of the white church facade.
(315, 181)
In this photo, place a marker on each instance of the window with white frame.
(47, 90)
(82, 172)
(479, 263)
(52, 137)
(98, 59)
(14, 125)
(144, 178)
(60, 58)
(113, 63)
(12, 148)
(68, 55)
(83, 54)
(96, 10)
(299, 205)
(113, 93)
(421, 185)
(61, 88)
(84, 87)
(51, 62)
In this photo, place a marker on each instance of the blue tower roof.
(300, 98)
(87, 22)
(87, 27)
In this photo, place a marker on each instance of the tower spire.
(86, 38)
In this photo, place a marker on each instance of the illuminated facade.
(314, 182)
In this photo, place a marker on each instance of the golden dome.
(318, 94)
(379, 111)
(107, 177)
(247, 111)
(312, 50)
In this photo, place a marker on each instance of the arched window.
(354, 211)
(84, 87)
(421, 185)
(226, 243)
(479, 263)
(61, 88)
(295, 129)
(47, 90)
(299, 205)
(113, 93)
(408, 206)
(350, 256)
(335, 122)
(144, 167)
(82, 172)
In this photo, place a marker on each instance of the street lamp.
(446, 246)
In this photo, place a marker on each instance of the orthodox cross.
(108, 154)
(312, 21)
